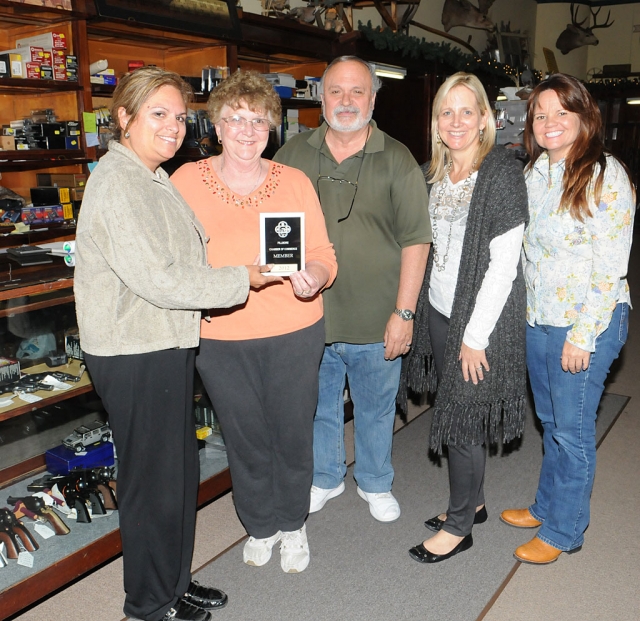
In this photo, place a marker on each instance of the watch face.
(407, 315)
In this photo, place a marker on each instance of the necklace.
(457, 201)
(240, 201)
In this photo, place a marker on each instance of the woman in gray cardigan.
(141, 278)
(469, 327)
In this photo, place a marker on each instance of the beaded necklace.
(226, 196)
(455, 211)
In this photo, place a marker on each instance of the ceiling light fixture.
(389, 71)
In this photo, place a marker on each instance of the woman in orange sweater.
(260, 363)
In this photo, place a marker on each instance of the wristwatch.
(407, 315)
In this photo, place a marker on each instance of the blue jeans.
(373, 385)
(566, 405)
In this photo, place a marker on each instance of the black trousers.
(467, 461)
(149, 399)
(264, 392)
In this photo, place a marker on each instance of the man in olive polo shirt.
(374, 200)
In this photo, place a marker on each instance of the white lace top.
(453, 210)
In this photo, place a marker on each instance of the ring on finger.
(479, 368)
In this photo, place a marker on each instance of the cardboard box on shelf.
(7, 143)
(54, 40)
(10, 65)
(66, 180)
(31, 70)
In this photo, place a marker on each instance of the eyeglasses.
(238, 122)
(341, 182)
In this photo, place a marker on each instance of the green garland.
(444, 53)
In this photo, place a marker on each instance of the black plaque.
(282, 242)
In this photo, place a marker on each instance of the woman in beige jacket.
(141, 278)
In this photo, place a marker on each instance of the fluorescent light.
(389, 71)
(634, 101)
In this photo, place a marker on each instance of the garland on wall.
(444, 53)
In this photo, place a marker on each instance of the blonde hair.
(440, 154)
(247, 87)
(136, 87)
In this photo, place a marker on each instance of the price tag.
(25, 559)
(28, 397)
(44, 531)
(57, 384)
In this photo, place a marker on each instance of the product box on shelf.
(31, 53)
(31, 70)
(54, 40)
(9, 370)
(110, 80)
(7, 143)
(73, 129)
(62, 460)
(10, 211)
(43, 214)
(49, 195)
(286, 92)
(67, 180)
(77, 194)
(59, 71)
(46, 72)
(10, 65)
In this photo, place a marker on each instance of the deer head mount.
(463, 13)
(575, 35)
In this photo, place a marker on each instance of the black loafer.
(205, 597)
(422, 555)
(435, 523)
(184, 611)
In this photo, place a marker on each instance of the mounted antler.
(574, 17)
(595, 19)
(575, 35)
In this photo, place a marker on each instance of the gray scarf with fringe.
(464, 413)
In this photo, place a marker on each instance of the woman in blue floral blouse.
(576, 252)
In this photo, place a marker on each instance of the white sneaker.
(257, 552)
(319, 496)
(384, 507)
(294, 551)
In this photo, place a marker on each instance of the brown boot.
(537, 552)
(520, 518)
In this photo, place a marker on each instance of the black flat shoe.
(422, 555)
(205, 597)
(435, 523)
(184, 611)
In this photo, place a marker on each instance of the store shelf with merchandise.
(37, 304)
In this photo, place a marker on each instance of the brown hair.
(136, 87)
(586, 152)
(440, 154)
(247, 87)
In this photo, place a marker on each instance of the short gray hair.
(376, 83)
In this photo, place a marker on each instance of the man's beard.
(352, 126)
